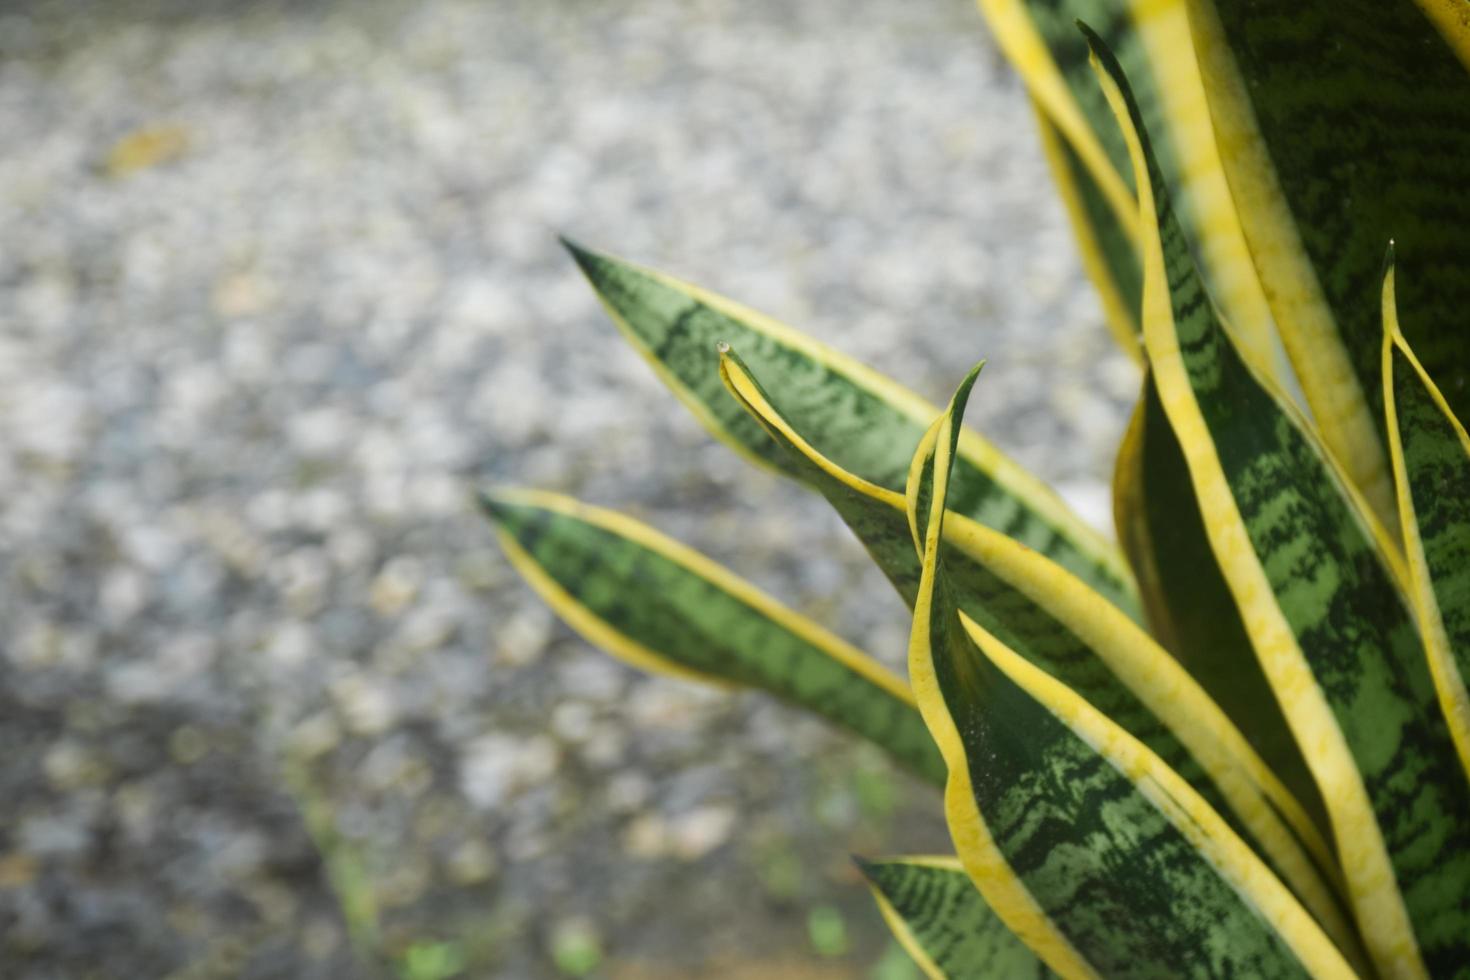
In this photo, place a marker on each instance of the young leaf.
(863, 420)
(1319, 596)
(1063, 628)
(1084, 842)
(1189, 606)
(944, 924)
(1344, 123)
(1431, 464)
(665, 608)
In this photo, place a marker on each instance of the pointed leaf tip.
(962, 393)
(496, 502)
(586, 259)
(493, 508)
(1094, 42)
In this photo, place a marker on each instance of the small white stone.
(472, 863)
(396, 585)
(291, 646)
(628, 791)
(522, 637)
(313, 737)
(496, 767)
(647, 837)
(366, 704)
(123, 595)
(701, 830)
(69, 765)
(320, 432)
(571, 721)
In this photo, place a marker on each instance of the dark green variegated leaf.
(1431, 463)
(1320, 596)
(1345, 123)
(1060, 626)
(1107, 246)
(1085, 843)
(863, 420)
(1188, 603)
(663, 607)
(1152, 40)
(945, 925)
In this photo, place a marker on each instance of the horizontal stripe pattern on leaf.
(1320, 598)
(1086, 844)
(1190, 609)
(866, 422)
(1152, 41)
(1346, 123)
(663, 607)
(1056, 623)
(944, 924)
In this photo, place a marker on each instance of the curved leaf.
(1320, 598)
(1431, 463)
(1108, 250)
(1345, 123)
(1152, 40)
(866, 422)
(944, 924)
(1063, 628)
(665, 608)
(1085, 843)
(1190, 609)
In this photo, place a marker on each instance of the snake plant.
(1236, 743)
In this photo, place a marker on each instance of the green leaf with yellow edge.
(1083, 841)
(1065, 629)
(1318, 589)
(1431, 464)
(1152, 39)
(944, 924)
(1188, 604)
(663, 607)
(1343, 124)
(866, 422)
(1109, 252)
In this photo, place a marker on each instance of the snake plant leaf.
(1065, 629)
(1320, 596)
(944, 924)
(1188, 604)
(860, 418)
(665, 608)
(1345, 123)
(1452, 20)
(1431, 464)
(1108, 250)
(1152, 40)
(1085, 843)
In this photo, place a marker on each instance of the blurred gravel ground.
(278, 285)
